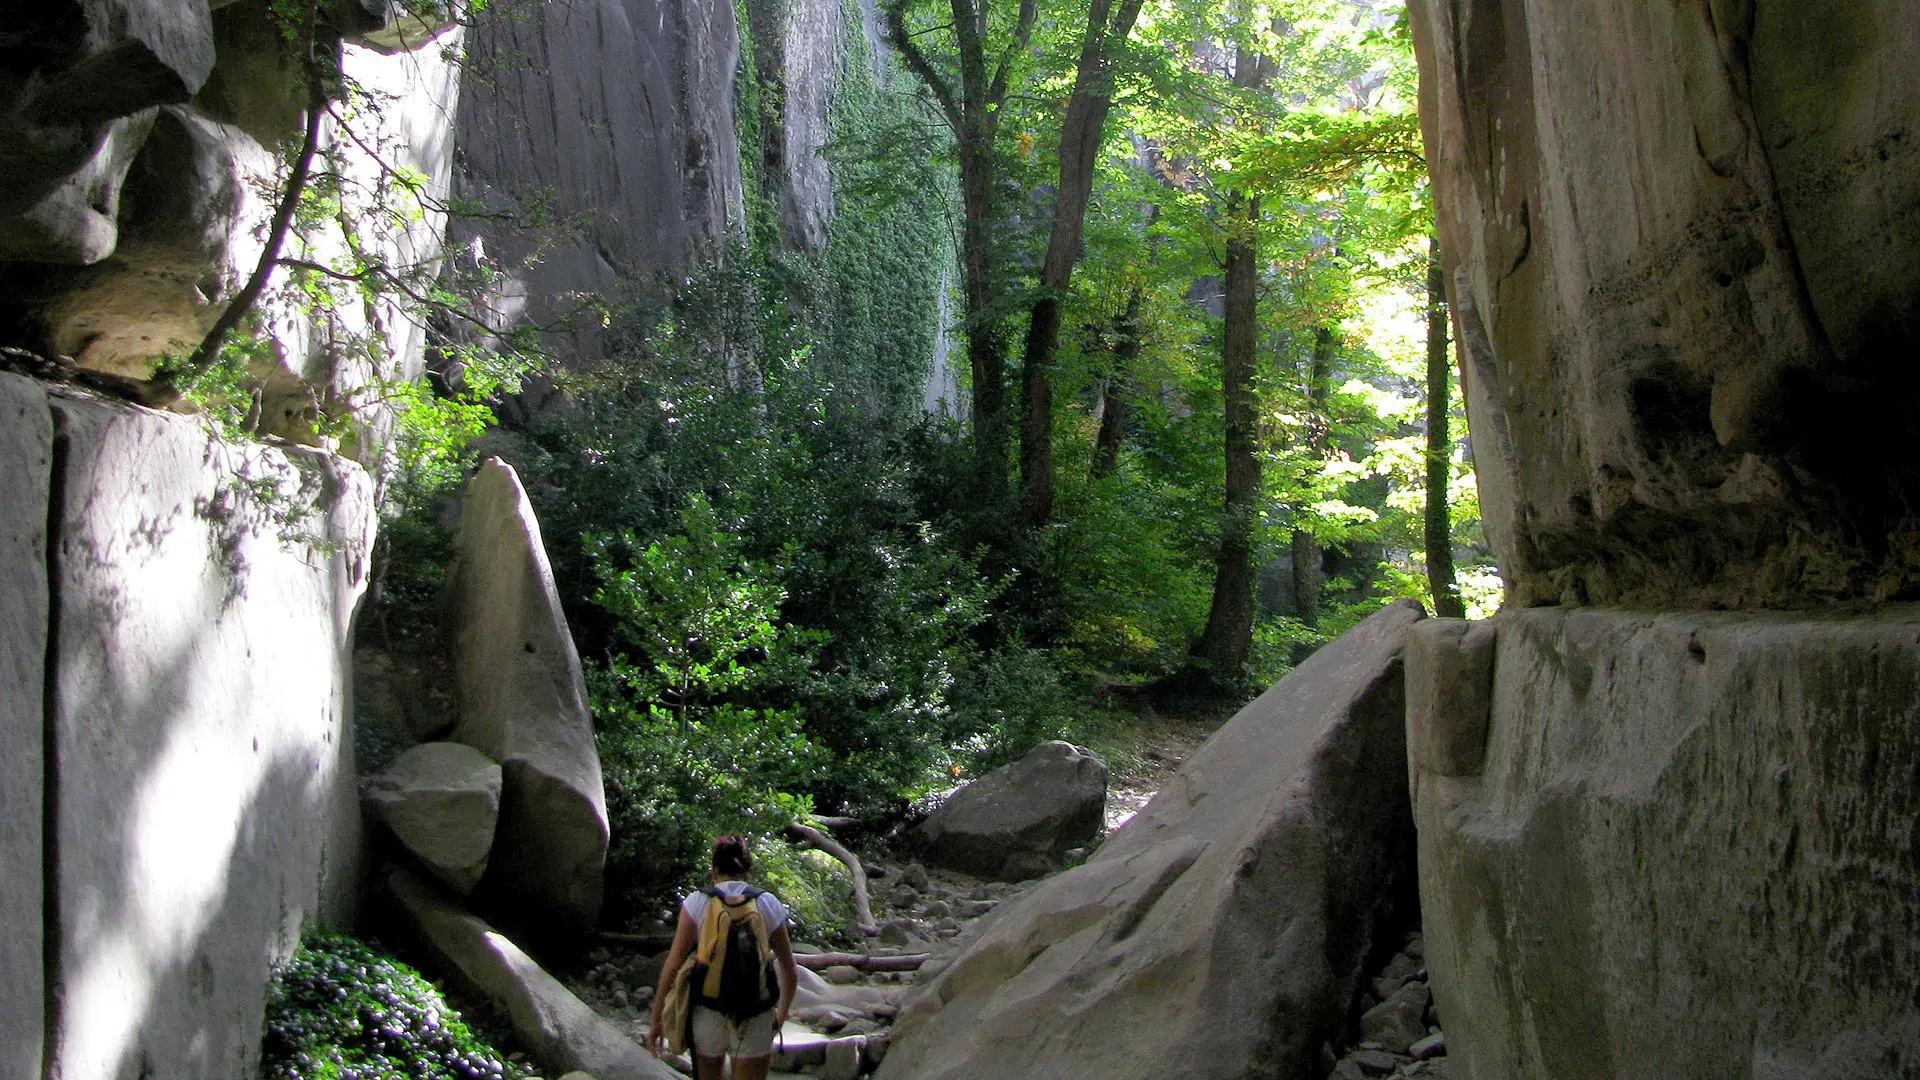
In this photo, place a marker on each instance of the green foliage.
(342, 1010)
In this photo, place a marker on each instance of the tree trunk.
(1230, 619)
(1113, 392)
(1439, 532)
(986, 354)
(1080, 136)
(1307, 555)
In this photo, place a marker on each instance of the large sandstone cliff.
(1685, 246)
(176, 770)
(143, 142)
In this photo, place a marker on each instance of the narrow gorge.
(460, 457)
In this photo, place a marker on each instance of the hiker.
(742, 977)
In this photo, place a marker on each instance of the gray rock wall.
(604, 128)
(1684, 244)
(195, 602)
(1690, 846)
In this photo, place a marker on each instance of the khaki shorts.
(714, 1034)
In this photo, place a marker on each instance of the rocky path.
(841, 1016)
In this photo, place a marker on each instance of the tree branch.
(917, 60)
(814, 838)
(208, 352)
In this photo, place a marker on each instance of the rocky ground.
(1399, 1031)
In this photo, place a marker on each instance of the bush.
(341, 1010)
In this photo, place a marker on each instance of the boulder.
(441, 800)
(1689, 849)
(523, 702)
(207, 808)
(1220, 933)
(558, 1029)
(1020, 820)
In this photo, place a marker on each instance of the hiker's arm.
(683, 935)
(789, 978)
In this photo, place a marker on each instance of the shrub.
(342, 1010)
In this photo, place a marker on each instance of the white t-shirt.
(772, 912)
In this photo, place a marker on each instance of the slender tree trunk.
(1113, 394)
(1308, 577)
(1080, 136)
(1230, 619)
(986, 352)
(207, 354)
(1439, 532)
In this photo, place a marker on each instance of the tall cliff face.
(1685, 243)
(176, 761)
(601, 135)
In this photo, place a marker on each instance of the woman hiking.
(742, 979)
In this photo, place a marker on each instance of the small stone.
(1074, 856)
(982, 892)
(842, 1060)
(876, 1050)
(913, 875)
(1394, 1025)
(946, 924)
(1383, 988)
(841, 974)
(895, 932)
(938, 909)
(1347, 1070)
(1432, 1046)
(1374, 1062)
(1402, 967)
(904, 897)
(1416, 947)
(885, 1009)
(860, 1027)
(973, 909)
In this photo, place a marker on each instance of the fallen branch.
(822, 961)
(814, 838)
(646, 943)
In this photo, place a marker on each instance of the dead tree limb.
(822, 961)
(814, 838)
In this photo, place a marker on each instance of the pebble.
(938, 909)
(1432, 1046)
(1375, 1062)
(913, 875)
(905, 897)
(841, 974)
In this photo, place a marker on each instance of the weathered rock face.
(1020, 820)
(138, 168)
(190, 601)
(523, 701)
(798, 48)
(26, 465)
(1689, 848)
(620, 112)
(441, 801)
(1221, 932)
(1685, 252)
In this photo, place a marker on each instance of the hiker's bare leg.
(750, 1068)
(712, 1068)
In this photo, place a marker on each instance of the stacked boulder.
(513, 806)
